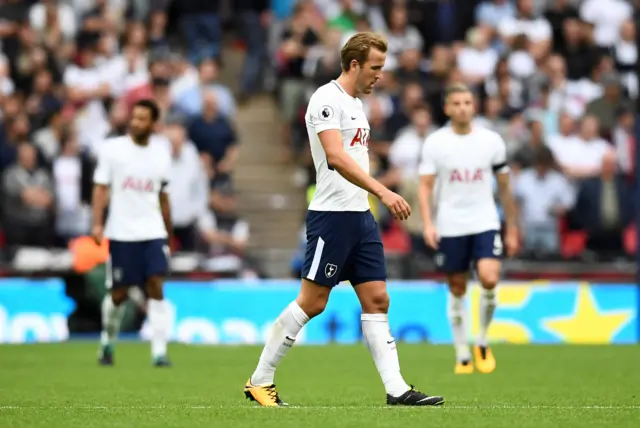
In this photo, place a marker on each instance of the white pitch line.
(445, 406)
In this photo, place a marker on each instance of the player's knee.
(118, 296)
(458, 285)
(312, 307)
(489, 279)
(376, 303)
(154, 288)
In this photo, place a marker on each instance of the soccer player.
(343, 241)
(133, 172)
(463, 157)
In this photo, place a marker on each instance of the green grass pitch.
(56, 386)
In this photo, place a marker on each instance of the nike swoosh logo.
(288, 338)
(353, 118)
(389, 342)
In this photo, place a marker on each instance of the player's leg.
(487, 252)
(310, 302)
(325, 257)
(120, 274)
(157, 266)
(454, 257)
(368, 276)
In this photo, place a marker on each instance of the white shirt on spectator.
(536, 30)
(405, 152)
(607, 16)
(66, 19)
(188, 186)
(579, 153)
(539, 194)
(91, 121)
(474, 62)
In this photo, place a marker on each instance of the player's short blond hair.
(358, 48)
(456, 88)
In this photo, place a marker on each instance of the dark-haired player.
(132, 177)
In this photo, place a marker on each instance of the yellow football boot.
(484, 359)
(265, 395)
(464, 368)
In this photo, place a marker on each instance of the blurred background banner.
(241, 312)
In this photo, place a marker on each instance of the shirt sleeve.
(165, 177)
(103, 173)
(428, 158)
(324, 114)
(499, 161)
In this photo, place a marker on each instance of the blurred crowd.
(556, 78)
(70, 71)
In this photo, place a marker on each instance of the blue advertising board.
(236, 312)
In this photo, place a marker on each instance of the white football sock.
(283, 335)
(487, 308)
(111, 319)
(457, 313)
(377, 336)
(158, 315)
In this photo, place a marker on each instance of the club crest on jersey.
(326, 113)
(330, 270)
(138, 184)
(466, 175)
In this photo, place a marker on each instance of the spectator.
(73, 179)
(559, 13)
(624, 141)
(254, 21)
(560, 142)
(225, 232)
(536, 29)
(477, 61)
(525, 157)
(28, 201)
(604, 208)
(401, 35)
(187, 188)
(607, 16)
(605, 107)
(200, 22)
(583, 156)
(491, 13)
(214, 136)
(405, 152)
(579, 55)
(625, 57)
(543, 196)
(190, 102)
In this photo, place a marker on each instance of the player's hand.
(398, 207)
(98, 234)
(431, 237)
(512, 241)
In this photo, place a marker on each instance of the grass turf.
(331, 386)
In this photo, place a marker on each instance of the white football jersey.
(136, 175)
(464, 166)
(330, 107)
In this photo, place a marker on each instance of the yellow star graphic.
(587, 323)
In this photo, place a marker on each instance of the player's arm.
(427, 171)
(100, 195)
(165, 205)
(341, 162)
(505, 193)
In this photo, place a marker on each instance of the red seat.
(572, 242)
(396, 240)
(630, 239)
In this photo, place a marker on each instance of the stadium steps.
(267, 198)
